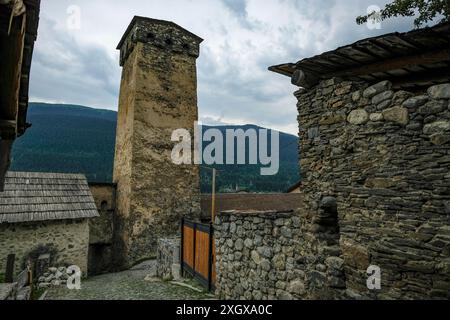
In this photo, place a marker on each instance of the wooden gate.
(197, 252)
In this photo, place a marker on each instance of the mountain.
(78, 139)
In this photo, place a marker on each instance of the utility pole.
(213, 202)
(213, 193)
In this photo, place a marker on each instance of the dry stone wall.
(102, 229)
(384, 156)
(375, 192)
(168, 258)
(270, 255)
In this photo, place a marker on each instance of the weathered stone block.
(296, 287)
(440, 139)
(415, 102)
(377, 88)
(383, 96)
(397, 115)
(356, 96)
(440, 91)
(437, 127)
(432, 107)
(332, 118)
(334, 262)
(358, 117)
(376, 117)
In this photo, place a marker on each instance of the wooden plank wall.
(196, 253)
(188, 246)
(202, 253)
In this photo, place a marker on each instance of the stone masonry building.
(46, 213)
(158, 94)
(374, 122)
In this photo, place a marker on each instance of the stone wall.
(384, 157)
(101, 229)
(168, 258)
(270, 255)
(375, 192)
(69, 240)
(158, 95)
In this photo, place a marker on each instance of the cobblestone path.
(134, 284)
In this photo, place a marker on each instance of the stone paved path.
(135, 284)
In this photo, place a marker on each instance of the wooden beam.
(8, 129)
(11, 56)
(5, 160)
(285, 69)
(394, 63)
(303, 79)
(424, 78)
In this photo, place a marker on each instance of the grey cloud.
(80, 73)
(238, 7)
(63, 70)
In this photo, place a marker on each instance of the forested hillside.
(77, 139)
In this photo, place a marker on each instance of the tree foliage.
(426, 10)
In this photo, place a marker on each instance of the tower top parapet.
(162, 34)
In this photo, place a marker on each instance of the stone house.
(46, 213)
(374, 120)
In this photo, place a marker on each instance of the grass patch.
(2, 278)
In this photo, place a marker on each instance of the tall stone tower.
(158, 94)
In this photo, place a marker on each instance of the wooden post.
(182, 247)
(193, 247)
(213, 201)
(210, 255)
(9, 274)
(5, 160)
(30, 273)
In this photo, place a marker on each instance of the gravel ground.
(137, 283)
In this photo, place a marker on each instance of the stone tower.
(158, 94)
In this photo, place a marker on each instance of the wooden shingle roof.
(411, 60)
(32, 197)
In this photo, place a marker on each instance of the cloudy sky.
(242, 39)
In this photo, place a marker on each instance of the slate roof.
(30, 196)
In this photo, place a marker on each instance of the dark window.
(104, 206)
